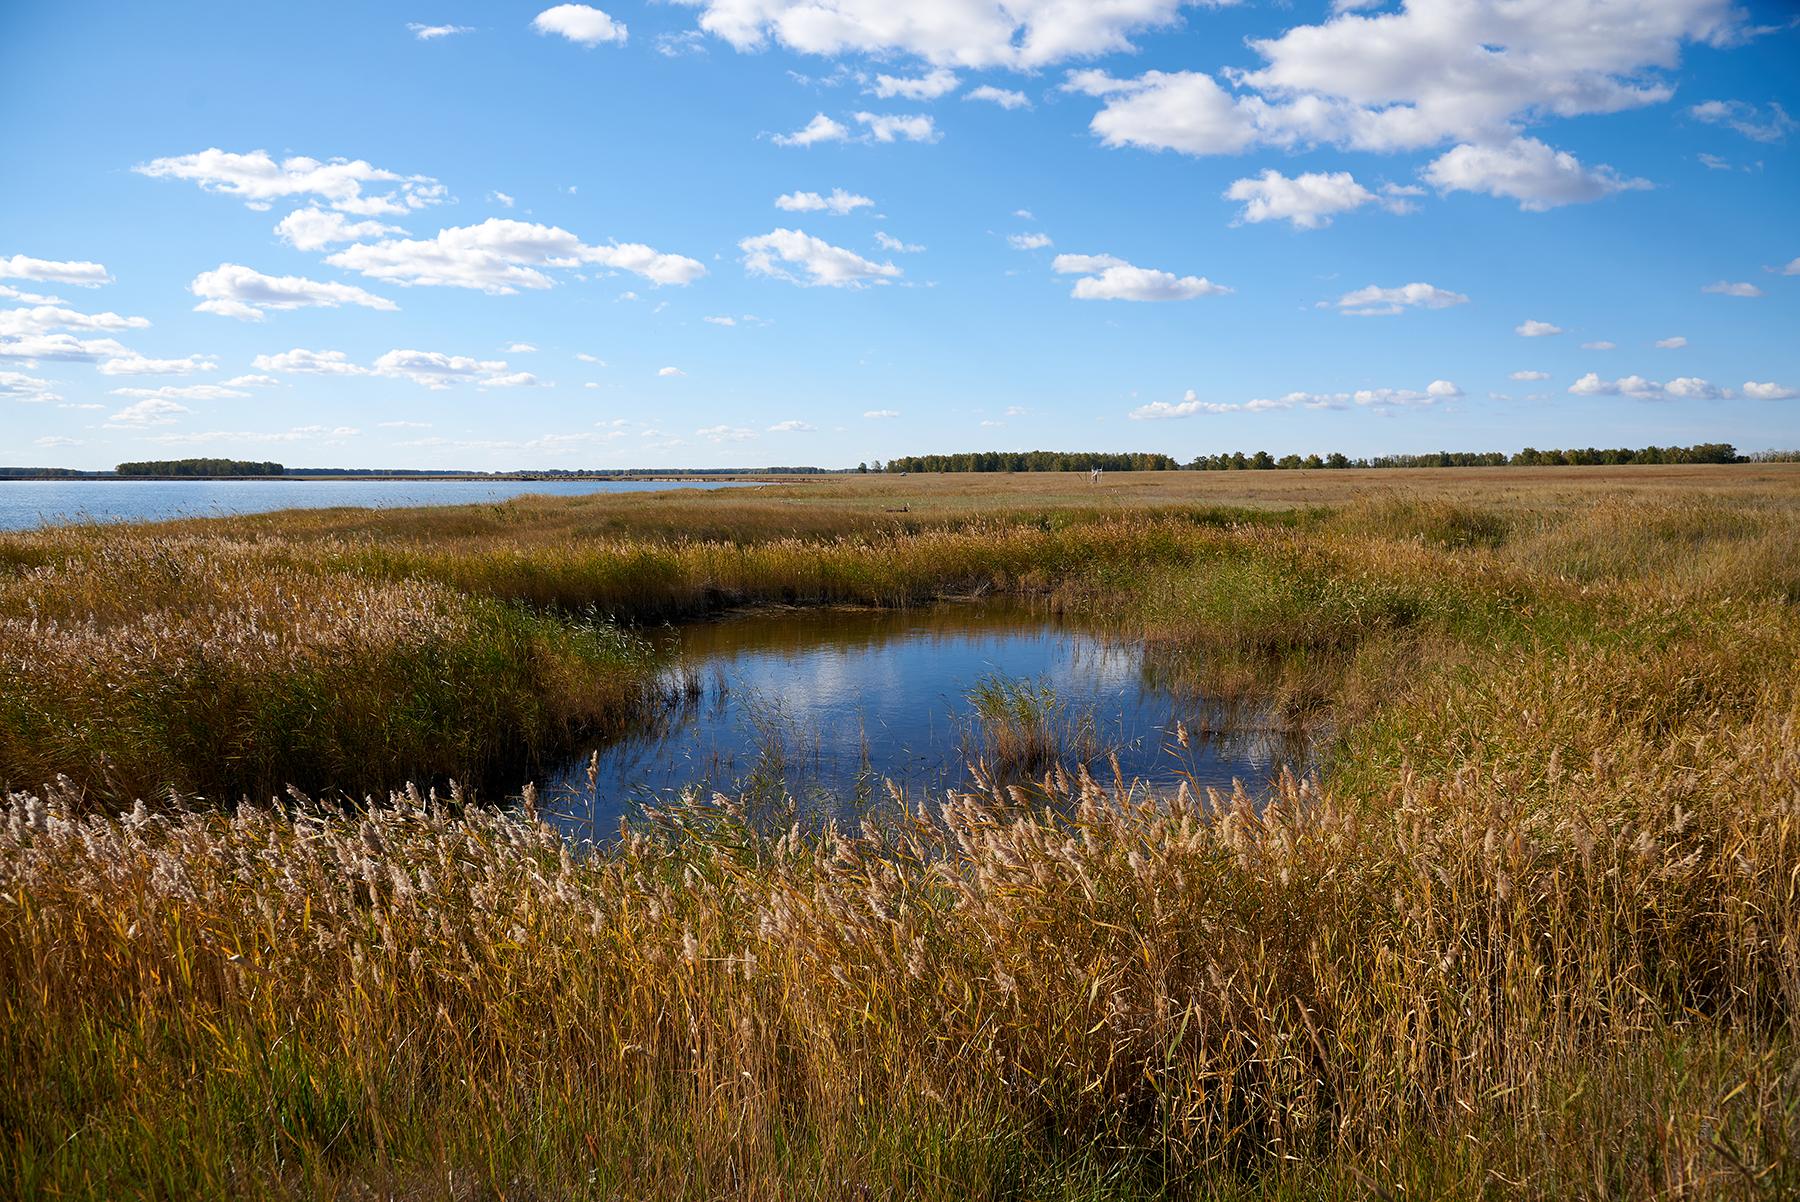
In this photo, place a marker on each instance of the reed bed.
(1533, 932)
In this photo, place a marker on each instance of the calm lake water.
(825, 706)
(27, 504)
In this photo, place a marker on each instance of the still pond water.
(28, 504)
(825, 706)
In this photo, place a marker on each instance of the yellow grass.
(1534, 932)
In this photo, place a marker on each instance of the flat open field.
(1531, 928)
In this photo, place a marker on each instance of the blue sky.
(751, 232)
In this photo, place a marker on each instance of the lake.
(28, 504)
(826, 706)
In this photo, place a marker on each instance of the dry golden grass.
(1533, 933)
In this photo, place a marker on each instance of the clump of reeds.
(972, 995)
(1018, 723)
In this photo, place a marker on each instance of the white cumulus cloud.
(1528, 171)
(1533, 328)
(501, 256)
(54, 271)
(781, 253)
(134, 364)
(1769, 391)
(153, 412)
(838, 202)
(1006, 98)
(1020, 34)
(314, 228)
(929, 86)
(1104, 277)
(820, 129)
(1727, 288)
(260, 181)
(1684, 388)
(1310, 200)
(233, 290)
(1376, 301)
(898, 127)
(581, 24)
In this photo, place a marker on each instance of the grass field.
(1533, 932)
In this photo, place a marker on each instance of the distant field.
(1533, 931)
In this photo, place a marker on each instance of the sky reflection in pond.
(825, 706)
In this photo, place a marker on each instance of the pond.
(827, 706)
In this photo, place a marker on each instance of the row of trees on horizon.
(1237, 461)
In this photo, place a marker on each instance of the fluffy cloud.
(260, 181)
(888, 242)
(876, 415)
(8, 292)
(313, 228)
(324, 363)
(1685, 388)
(792, 426)
(839, 202)
(233, 290)
(962, 33)
(1028, 241)
(1792, 268)
(1107, 278)
(893, 127)
(152, 412)
(1600, 346)
(668, 373)
(1746, 119)
(133, 364)
(1309, 201)
(1769, 391)
(1004, 97)
(1532, 328)
(772, 254)
(1671, 344)
(1531, 375)
(1433, 72)
(1437, 70)
(183, 392)
(820, 129)
(501, 256)
(428, 33)
(436, 370)
(80, 273)
(20, 387)
(1376, 301)
(581, 24)
(1727, 288)
(1379, 398)
(1167, 110)
(1528, 171)
(930, 86)
(43, 318)
(29, 348)
(429, 369)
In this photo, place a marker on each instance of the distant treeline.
(1237, 461)
(1033, 461)
(200, 467)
